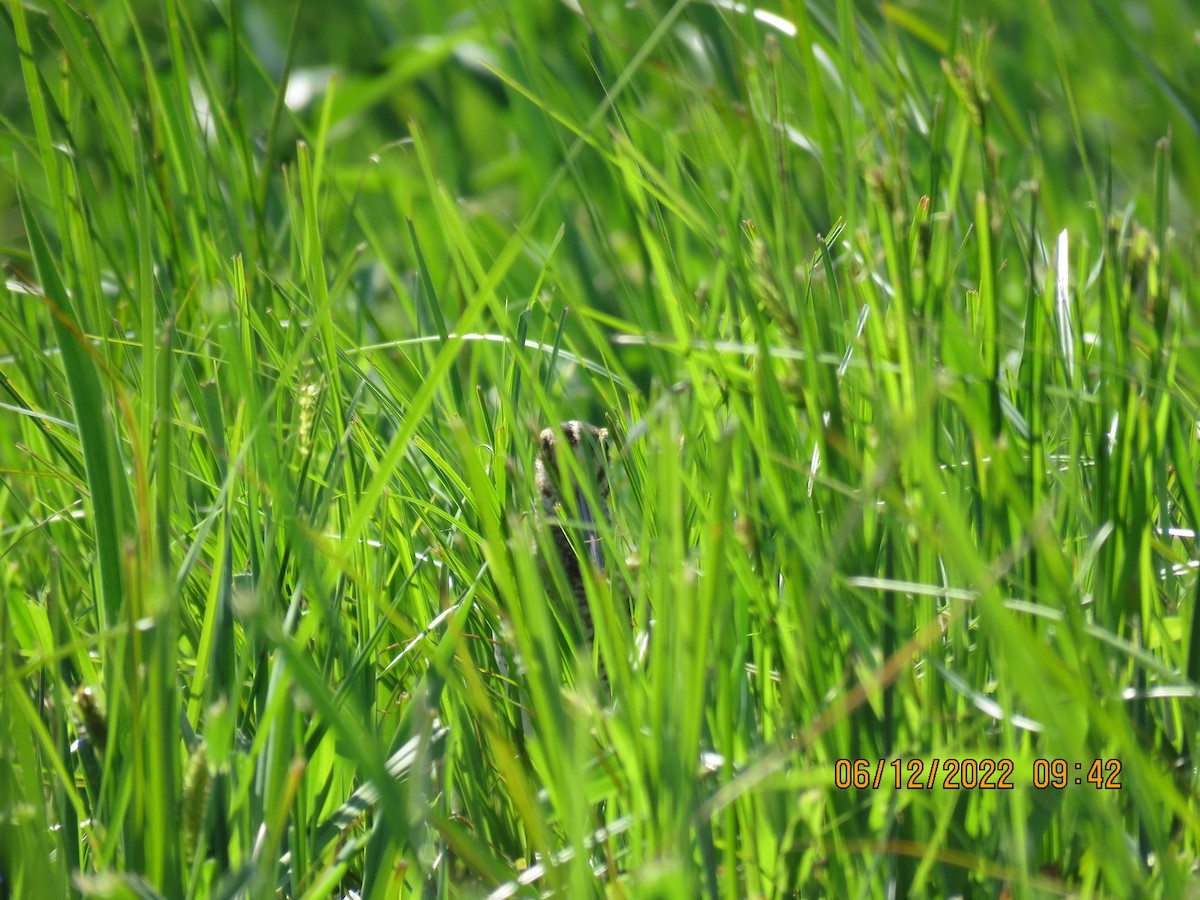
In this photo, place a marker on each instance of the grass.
(889, 313)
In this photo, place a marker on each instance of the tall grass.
(892, 334)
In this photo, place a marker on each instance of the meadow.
(889, 308)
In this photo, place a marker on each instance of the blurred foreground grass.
(890, 311)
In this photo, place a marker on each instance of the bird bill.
(591, 537)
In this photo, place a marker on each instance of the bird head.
(558, 478)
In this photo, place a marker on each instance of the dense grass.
(889, 312)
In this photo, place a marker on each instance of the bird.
(563, 497)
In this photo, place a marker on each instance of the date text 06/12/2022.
(984, 774)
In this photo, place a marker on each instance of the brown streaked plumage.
(555, 483)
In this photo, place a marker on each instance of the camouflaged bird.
(556, 483)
